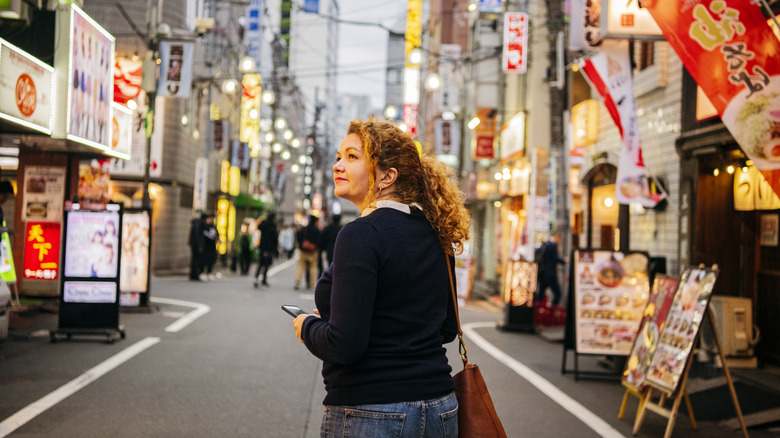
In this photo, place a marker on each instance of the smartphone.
(293, 310)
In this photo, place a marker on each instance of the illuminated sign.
(26, 86)
(624, 19)
(223, 208)
(515, 51)
(42, 250)
(249, 129)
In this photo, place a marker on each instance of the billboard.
(26, 89)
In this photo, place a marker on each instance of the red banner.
(734, 56)
(42, 250)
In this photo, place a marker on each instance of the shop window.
(645, 54)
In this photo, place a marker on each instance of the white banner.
(609, 71)
(449, 92)
(175, 69)
(584, 28)
(200, 187)
(25, 89)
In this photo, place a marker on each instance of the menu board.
(91, 244)
(653, 319)
(610, 293)
(681, 328)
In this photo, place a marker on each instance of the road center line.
(574, 407)
(37, 407)
(184, 321)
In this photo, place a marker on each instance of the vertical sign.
(175, 69)
(448, 65)
(200, 191)
(249, 124)
(411, 85)
(42, 250)
(253, 31)
(734, 56)
(515, 58)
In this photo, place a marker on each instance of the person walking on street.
(548, 269)
(210, 238)
(196, 242)
(309, 246)
(268, 248)
(329, 236)
(287, 240)
(246, 249)
(384, 306)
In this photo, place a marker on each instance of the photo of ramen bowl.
(755, 117)
(610, 274)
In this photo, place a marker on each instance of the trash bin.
(5, 309)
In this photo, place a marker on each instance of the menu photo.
(610, 292)
(681, 328)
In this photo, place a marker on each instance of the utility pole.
(150, 87)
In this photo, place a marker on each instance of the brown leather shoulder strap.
(461, 346)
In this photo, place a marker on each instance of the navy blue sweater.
(386, 311)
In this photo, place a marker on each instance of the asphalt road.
(220, 359)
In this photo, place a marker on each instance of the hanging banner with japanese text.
(609, 71)
(515, 59)
(175, 69)
(731, 52)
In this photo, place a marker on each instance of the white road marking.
(184, 321)
(574, 407)
(20, 418)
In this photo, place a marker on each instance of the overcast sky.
(363, 49)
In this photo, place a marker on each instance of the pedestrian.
(287, 240)
(268, 248)
(210, 239)
(548, 269)
(308, 239)
(6, 192)
(245, 247)
(384, 306)
(329, 234)
(196, 241)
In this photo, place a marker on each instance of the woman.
(385, 303)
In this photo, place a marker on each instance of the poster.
(610, 294)
(44, 193)
(135, 252)
(94, 182)
(91, 244)
(658, 305)
(681, 328)
(42, 251)
(769, 229)
(520, 283)
(175, 78)
(91, 78)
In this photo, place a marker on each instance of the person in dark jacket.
(245, 246)
(210, 239)
(308, 239)
(196, 248)
(385, 304)
(329, 236)
(548, 269)
(268, 248)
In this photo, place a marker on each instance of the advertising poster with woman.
(681, 328)
(92, 244)
(610, 292)
(92, 76)
(653, 319)
(135, 252)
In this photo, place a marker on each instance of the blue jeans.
(430, 418)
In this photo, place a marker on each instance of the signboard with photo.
(134, 275)
(44, 193)
(520, 283)
(610, 294)
(653, 319)
(678, 334)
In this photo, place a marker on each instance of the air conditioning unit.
(734, 323)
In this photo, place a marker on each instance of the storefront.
(722, 194)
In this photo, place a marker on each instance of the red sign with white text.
(733, 55)
(42, 250)
(515, 42)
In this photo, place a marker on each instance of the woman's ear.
(387, 178)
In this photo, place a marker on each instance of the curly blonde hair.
(422, 179)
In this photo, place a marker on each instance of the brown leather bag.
(477, 416)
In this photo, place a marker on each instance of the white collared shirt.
(391, 204)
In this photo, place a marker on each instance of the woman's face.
(350, 173)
